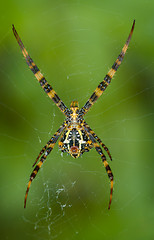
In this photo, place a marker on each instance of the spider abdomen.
(74, 141)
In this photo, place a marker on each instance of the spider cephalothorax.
(76, 135)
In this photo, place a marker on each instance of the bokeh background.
(75, 43)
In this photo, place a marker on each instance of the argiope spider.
(76, 135)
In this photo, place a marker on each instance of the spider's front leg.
(39, 76)
(47, 149)
(104, 84)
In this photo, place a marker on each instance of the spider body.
(75, 140)
(76, 137)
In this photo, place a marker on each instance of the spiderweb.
(69, 198)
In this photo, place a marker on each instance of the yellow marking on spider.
(125, 48)
(60, 143)
(74, 104)
(25, 52)
(39, 164)
(91, 131)
(52, 93)
(38, 75)
(29, 183)
(98, 92)
(118, 62)
(105, 163)
(96, 144)
(80, 133)
(111, 183)
(68, 132)
(111, 73)
(52, 145)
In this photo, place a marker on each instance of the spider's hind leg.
(108, 169)
(52, 140)
(46, 150)
(97, 139)
(41, 152)
(100, 152)
(35, 171)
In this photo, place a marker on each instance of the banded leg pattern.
(40, 154)
(88, 129)
(36, 169)
(39, 76)
(108, 169)
(47, 149)
(103, 85)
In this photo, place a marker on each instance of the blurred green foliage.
(75, 43)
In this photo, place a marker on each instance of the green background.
(75, 43)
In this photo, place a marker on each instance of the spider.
(76, 135)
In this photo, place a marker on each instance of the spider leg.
(97, 139)
(36, 169)
(106, 165)
(108, 169)
(49, 146)
(103, 85)
(41, 79)
(40, 154)
(53, 139)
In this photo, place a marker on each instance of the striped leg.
(88, 129)
(40, 154)
(107, 167)
(41, 79)
(103, 85)
(47, 149)
(36, 169)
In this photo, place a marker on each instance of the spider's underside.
(76, 135)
